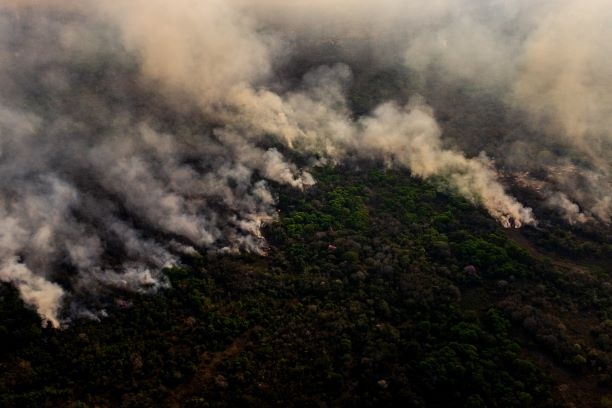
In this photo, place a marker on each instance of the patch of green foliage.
(378, 290)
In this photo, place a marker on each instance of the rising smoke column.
(550, 60)
(133, 131)
(104, 181)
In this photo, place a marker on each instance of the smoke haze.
(132, 131)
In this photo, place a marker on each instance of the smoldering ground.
(133, 131)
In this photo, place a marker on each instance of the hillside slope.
(378, 289)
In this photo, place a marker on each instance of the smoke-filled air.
(133, 131)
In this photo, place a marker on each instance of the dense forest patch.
(378, 289)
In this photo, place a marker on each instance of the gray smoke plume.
(132, 131)
(549, 60)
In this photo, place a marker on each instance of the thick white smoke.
(104, 182)
(550, 59)
(133, 130)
